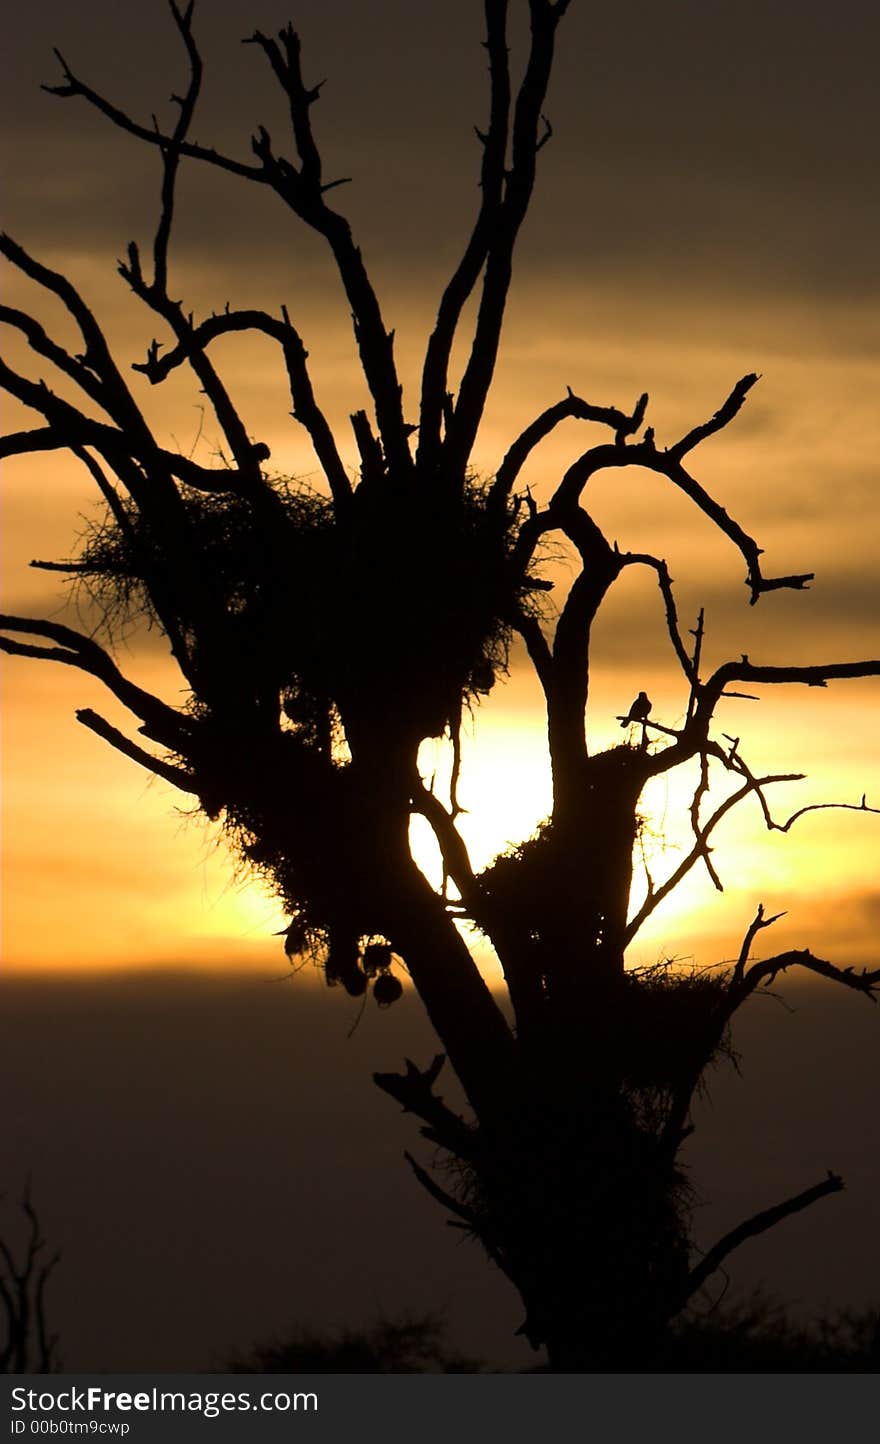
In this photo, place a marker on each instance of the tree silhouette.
(408, 1345)
(26, 1346)
(323, 635)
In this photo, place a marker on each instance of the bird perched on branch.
(639, 711)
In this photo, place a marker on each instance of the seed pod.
(376, 958)
(355, 984)
(387, 989)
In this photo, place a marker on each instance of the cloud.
(733, 149)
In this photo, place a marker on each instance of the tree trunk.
(585, 1217)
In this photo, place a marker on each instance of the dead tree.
(29, 1347)
(322, 635)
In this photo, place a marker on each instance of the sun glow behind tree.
(322, 635)
(60, 786)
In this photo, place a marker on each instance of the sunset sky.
(708, 206)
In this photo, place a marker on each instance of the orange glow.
(98, 869)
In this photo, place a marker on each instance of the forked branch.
(508, 217)
(464, 278)
(819, 674)
(300, 188)
(453, 849)
(570, 407)
(414, 1091)
(76, 650)
(700, 850)
(305, 407)
(741, 984)
(757, 925)
(668, 463)
(865, 981)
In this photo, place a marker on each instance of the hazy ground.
(211, 1156)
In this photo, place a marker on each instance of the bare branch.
(440, 1195)
(453, 849)
(249, 479)
(698, 634)
(372, 459)
(69, 568)
(288, 72)
(817, 675)
(464, 278)
(302, 190)
(171, 153)
(76, 650)
(73, 430)
(146, 470)
(157, 367)
(824, 807)
(536, 525)
(413, 1090)
(29, 1348)
(95, 371)
(23, 443)
(75, 367)
(759, 1223)
(743, 982)
(700, 850)
(571, 406)
(865, 981)
(668, 463)
(175, 775)
(309, 414)
(688, 665)
(692, 740)
(305, 407)
(166, 611)
(73, 86)
(645, 454)
(518, 186)
(537, 646)
(570, 677)
(758, 923)
(723, 415)
(299, 190)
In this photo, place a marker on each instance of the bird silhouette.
(639, 711)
